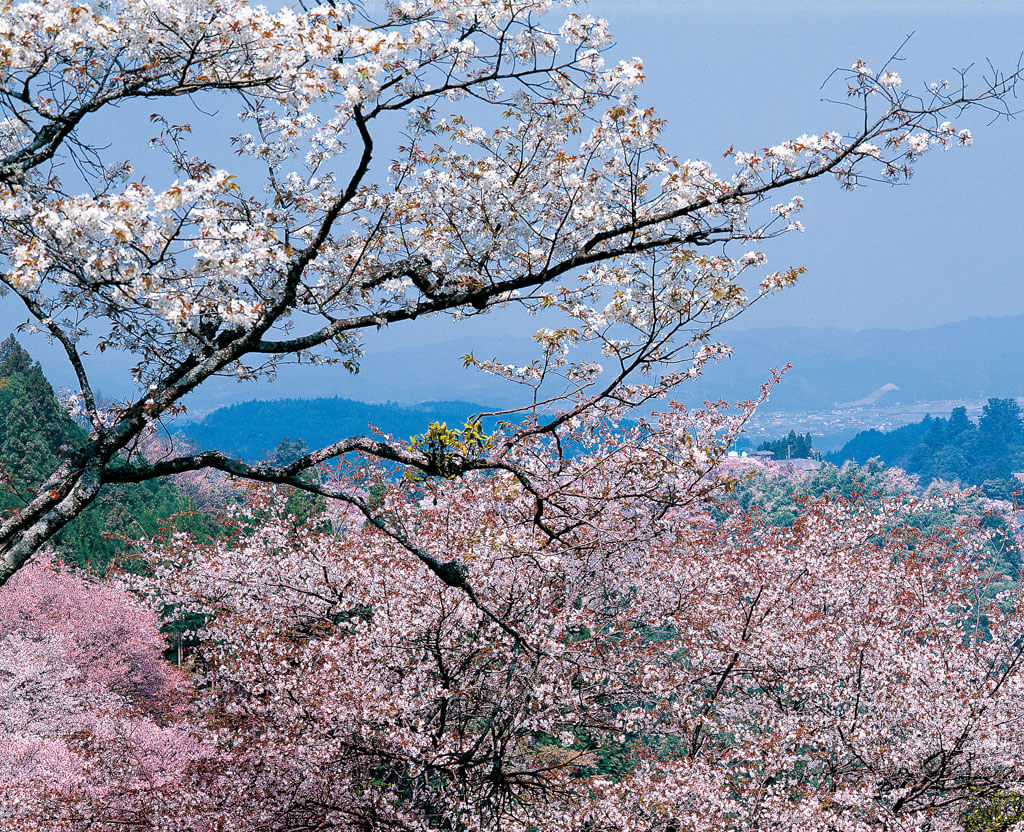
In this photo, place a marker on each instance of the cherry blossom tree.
(645, 669)
(89, 712)
(527, 173)
(627, 663)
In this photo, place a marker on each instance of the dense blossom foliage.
(647, 668)
(628, 662)
(88, 707)
(527, 172)
(536, 628)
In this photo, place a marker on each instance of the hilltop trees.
(793, 446)
(527, 173)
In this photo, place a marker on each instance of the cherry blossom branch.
(74, 357)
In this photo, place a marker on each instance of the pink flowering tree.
(89, 711)
(208, 489)
(528, 173)
(642, 667)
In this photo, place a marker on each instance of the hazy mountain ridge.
(972, 359)
(968, 360)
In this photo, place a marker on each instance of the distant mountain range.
(969, 360)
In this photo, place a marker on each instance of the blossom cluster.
(471, 212)
(89, 711)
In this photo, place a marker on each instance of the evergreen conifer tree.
(34, 429)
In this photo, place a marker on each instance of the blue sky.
(945, 247)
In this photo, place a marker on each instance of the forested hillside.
(33, 430)
(253, 429)
(984, 453)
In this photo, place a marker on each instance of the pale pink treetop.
(638, 667)
(88, 707)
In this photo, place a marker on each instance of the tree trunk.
(24, 533)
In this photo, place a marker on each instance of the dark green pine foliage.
(793, 446)
(33, 430)
(32, 425)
